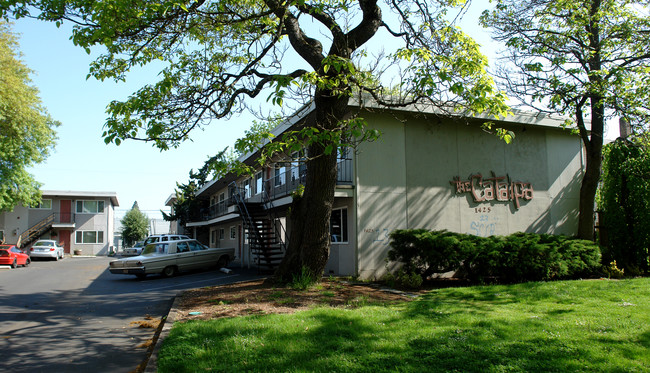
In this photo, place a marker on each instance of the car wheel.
(14, 264)
(56, 258)
(169, 271)
(223, 262)
(27, 262)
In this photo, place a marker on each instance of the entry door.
(66, 211)
(64, 236)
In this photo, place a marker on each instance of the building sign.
(495, 188)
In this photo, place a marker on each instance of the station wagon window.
(90, 207)
(45, 204)
(182, 247)
(89, 237)
(195, 246)
(159, 248)
(339, 225)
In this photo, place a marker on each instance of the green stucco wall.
(404, 180)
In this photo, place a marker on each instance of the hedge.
(515, 258)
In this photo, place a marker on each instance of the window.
(339, 225)
(280, 171)
(258, 182)
(45, 204)
(214, 237)
(246, 185)
(155, 248)
(222, 233)
(182, 247)
(195, 246)
(90, 207)
(2, 236)
(231, 191)
(233, 233)
(90, 237)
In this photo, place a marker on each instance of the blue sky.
(134, 170)
(81, 161)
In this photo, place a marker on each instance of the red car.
(13, 256)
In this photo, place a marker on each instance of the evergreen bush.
(624, 201)
(515, 258)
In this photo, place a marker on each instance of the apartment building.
(83, 222)
(428, 170)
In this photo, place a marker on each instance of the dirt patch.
(262, 297)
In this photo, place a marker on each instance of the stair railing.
(36, 230)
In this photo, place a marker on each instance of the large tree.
(585, 59)
(26, 130)
(135, 225)
(219, 57)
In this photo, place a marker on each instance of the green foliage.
(186, 206)
(587, 60)
(303, 280)
(216, 57)
(403, 279)
(563, 52)
(135, 226)
(624, 200)
(514, 258)
(27, 132)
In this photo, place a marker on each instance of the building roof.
(82, 194)
(518, 117)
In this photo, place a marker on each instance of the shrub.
(624, 200)
(514, 258)
(403, 280)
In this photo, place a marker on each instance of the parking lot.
(74, 316)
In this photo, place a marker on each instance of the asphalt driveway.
(75, 316)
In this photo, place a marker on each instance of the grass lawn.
(568, 326)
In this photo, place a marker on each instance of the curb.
(167, 323)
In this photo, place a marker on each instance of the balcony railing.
(279, 185)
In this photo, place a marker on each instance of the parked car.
(13, 256)
(170, 257)
(135, 250)
(46, 249)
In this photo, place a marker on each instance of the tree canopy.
(588, 60)
(135, 226)
(222, 57)
(27, 132)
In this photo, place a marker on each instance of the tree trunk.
(588, 195)
(309, 241)
(594, 160)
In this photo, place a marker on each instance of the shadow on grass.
(526, 327)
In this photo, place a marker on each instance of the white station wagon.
(171, 257)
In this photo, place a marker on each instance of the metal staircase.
(36, 231)
(264, 235)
